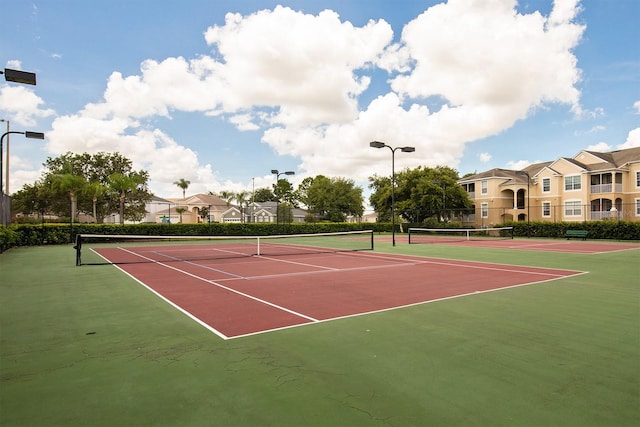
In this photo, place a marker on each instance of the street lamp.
(28, 134)
(378, 144)
(18, 76)
(277, 174)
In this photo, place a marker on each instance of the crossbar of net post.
(439, 235)
(178, 248)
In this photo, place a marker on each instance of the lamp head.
(408, 149)
(377, 144)
(289, 173)
(274, 171)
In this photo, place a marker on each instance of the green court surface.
(89, 346)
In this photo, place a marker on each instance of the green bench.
(576, 233)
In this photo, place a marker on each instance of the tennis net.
(123, 249)
(449, 235)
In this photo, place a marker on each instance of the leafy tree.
(420, 193)
(35, 198)
(96, 171)
(264, 195)
(183, 184)
(284, 192)
(332, 199)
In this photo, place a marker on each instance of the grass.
(89, 346)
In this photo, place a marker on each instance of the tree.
(331, 199)
(35, 198)
(284, 192)
(180, 212)
(242, 198)
(123, 185)
(183, 184)
(72, 185)
(420, 193)
(264, 195)
(96, 169)
(95, 190)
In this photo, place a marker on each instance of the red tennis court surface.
(565, 246)
(236, 297)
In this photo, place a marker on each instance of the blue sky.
(222, 92)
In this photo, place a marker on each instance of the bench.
(576, 233)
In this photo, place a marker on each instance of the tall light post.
(6, 182)
(378, 144)
(277, 174)
(28, 134)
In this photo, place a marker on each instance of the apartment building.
(590, 186)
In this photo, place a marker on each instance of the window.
(572, 183)
(484, 208)
(637, 207)
(638, 179)
(485, 189)
(546, 185)
(572, 208)
(546, 209)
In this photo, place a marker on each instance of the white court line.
(304, 316)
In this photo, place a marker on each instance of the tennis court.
(234, 292)
(502, 238)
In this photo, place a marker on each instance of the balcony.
(605, 188)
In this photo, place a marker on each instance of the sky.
(220, 93)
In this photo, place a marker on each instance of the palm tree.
(242, 198)
(180, 211)
(71, 184)
(184, 184)
(122, 184)
(95, 190)
(227, 196)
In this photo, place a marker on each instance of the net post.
(78, 248)
(371, 239)
(258, 248)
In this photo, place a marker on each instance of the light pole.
(277, 174)
(6, 182)
(28, 134)
(378, 144)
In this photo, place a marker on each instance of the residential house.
(589, 186)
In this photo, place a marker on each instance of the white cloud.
(298, 78)
(484, 157)
(636, 106)
(22, 105)
(518, 164)
(633, 140)
(487, 60)
(601, 147)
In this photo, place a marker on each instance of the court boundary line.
(312, 320)
(400, 307)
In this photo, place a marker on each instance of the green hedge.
(54, 234)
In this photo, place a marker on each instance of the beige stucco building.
(590, 186)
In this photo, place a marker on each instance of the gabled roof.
(614, 159)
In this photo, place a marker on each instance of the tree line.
(104, 184)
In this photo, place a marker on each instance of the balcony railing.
(605, 188)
